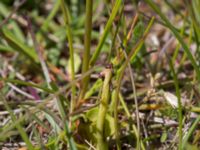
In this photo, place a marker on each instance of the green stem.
(180, 117)
(178, 45)
(116, 101)
(101, 139)
(106, 31)
(120, 74)
(190, 131)
(87, 40)
(71, 51)
(112, 49)
(189, 43)
(52, 14)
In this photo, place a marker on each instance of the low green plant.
(56, 80)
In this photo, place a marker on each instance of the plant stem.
(180, 116)
(106, 31)
(71, 51)
(125, 42)
(120, 74)
(190, 131)
(87, 43)
(101, 139)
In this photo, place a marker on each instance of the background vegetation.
(99, 74)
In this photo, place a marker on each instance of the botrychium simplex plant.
(91, 110)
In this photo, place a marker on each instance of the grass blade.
(18, 45)
(18, 126)
(191, 130)
(87, 44)
(177, 35)
(178, 94)
(132, 55)
(20, 82)
(71, 51)
(106, 31)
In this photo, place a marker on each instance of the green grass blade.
(17, 31)
(20, 82)
(4, 48)
(71, 50)
(37, 108)
(18, 45)
(72, 144)
(177, 35)
(87, 44)
(178, 94)
(191, 130)
(132, 55)
(3, 10)
(106, 31)
(18, 126)
(50, 16)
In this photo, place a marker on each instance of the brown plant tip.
(109, 66)
(101, 75)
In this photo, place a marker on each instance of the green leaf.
(163, 137)
(109, 125)
(91, 115)
(191, 147)
(3, 10)
(19, 46)
(77, 63)
(4, 48)
(17, 31)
